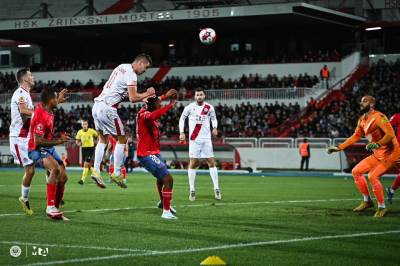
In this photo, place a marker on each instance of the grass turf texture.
(269, 215)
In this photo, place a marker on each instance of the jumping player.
(121, 85)
(148, 148)
(200, 145)
(42, 151)
(395, 122)
(86, 138)
(386, 153)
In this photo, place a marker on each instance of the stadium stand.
(339, 117)
(185, 87)
(68, 64)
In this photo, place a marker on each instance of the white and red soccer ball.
(207, 36)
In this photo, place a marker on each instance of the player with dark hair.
(395, 122)
(121, 85)
(386, 153)
(148, 147)
(200, 114)
(42, 151)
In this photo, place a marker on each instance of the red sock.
(123, 171)
(396, 183)
(51, 194)
(59, 194)
(167, 197)
(111, 169)
(159, 185)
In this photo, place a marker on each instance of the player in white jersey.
(121, 85)
(21, 113)
(200, 114)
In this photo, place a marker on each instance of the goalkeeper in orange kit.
(386, 153)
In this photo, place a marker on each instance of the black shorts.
(87, 154)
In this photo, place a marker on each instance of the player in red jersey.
(395, 122)
(148, 148)
(42, 151)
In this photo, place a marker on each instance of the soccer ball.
(207, 36)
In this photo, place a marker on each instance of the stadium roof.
(166, 23)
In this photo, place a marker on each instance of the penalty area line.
(222, 247)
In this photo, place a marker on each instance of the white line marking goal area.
(222, 247)
(198, 205)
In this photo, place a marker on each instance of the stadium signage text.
(170, 15)
(115, 19)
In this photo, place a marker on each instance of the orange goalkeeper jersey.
(376, 128)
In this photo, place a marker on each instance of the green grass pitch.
(260, 221)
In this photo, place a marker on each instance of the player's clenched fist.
(171, 94)
(182, 137)
(332, 149)
(215, 132)
(151, 91)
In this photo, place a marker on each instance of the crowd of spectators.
(244, 120)
(339, 118)
(246, 81)
(57, 64)
(185, 87)
(309, 57)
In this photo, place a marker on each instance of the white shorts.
(106, 120)
(201, 148)
(19, 150)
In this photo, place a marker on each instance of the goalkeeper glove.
(332, 149)
(372, 146)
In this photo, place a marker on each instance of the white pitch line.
(73, 246)
(197, 205)
(222, 247)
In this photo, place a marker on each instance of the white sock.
(118, 158)
(98, 156)
(25, 192)
(382, 205)
(214, 176)
(192, 178)
(367, 197)
(391, 190)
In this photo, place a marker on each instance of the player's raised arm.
(135, 96)
(358, 133)
(61, 98)
(182, 120)
(214, 122)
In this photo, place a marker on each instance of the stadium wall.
(287, 158)
(272, 158)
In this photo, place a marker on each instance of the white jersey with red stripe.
(116, 88)
(19, 126)
(199, 120)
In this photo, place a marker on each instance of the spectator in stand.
(305, 154)
(325, 75)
